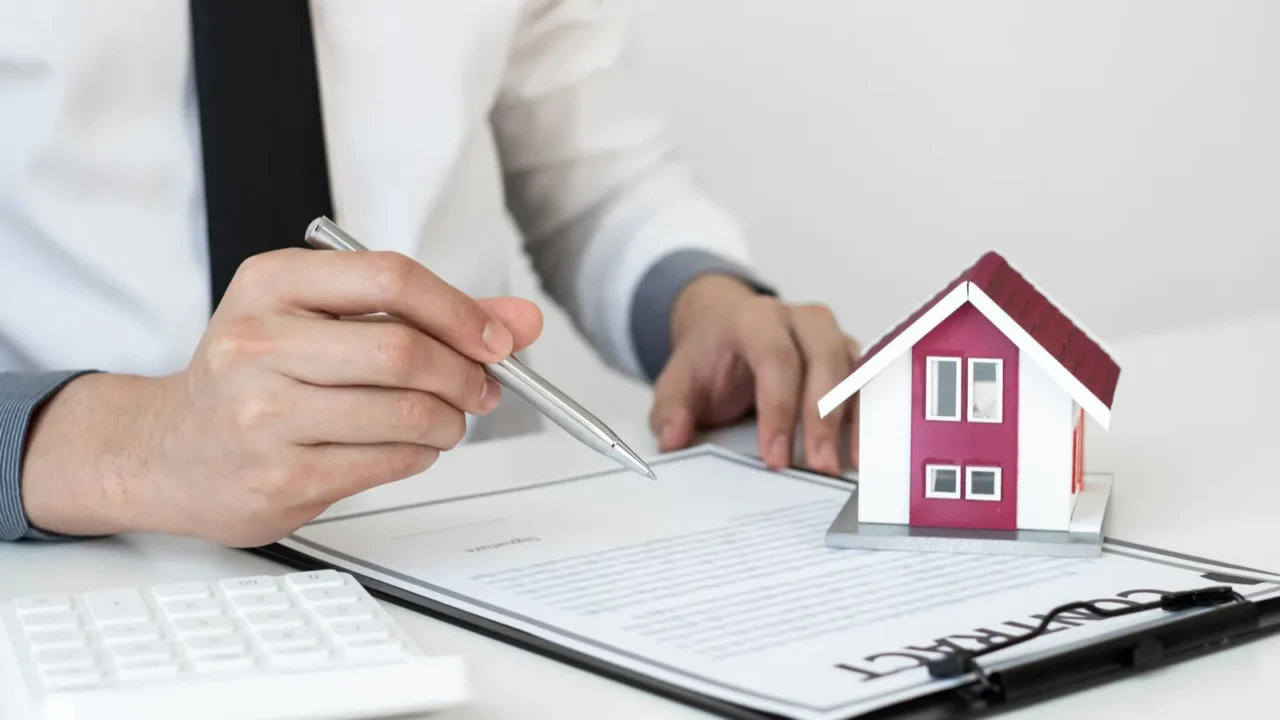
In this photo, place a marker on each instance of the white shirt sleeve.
(594, 181)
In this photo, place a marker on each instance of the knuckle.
(465, 315)
(391, 273)
(418, 410)
(257, 411)
(760, 308)
(782, 356)
(242, 343)
(818, 313)
(278, 486)
(397, 349)
(259, 268)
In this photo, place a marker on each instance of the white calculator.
(310, 645)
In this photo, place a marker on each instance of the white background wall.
(1126, 155)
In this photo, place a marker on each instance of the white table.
(1192, 447)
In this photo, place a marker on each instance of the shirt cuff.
(21, 396)
(656, 295)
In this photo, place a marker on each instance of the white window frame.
(999, 363)
(929, 492)
(968, 483)
(931, 363)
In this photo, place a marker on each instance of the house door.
(964, 427)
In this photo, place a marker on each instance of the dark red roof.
(1044, 322)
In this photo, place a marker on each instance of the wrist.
(83, 467)
(708, 296)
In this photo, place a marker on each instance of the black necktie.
(265, 169)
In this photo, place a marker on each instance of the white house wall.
(1044, 450)
(884, 445)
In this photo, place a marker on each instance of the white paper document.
(716, 579)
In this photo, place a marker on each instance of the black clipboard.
(945, 704)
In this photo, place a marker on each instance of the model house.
(972, 424)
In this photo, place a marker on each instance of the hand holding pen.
(320, 375)
(516, 376)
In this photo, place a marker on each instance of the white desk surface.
(1191, 446)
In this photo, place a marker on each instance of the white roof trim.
(881, 360)
(966, 292)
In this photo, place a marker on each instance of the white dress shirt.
(433, 110)
(455, 130)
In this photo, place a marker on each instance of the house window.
(986, 390)
(982, 483)
(942, 481)
(943, 389)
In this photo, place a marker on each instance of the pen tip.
(627, 457)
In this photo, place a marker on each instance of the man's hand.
(285, 408)
(734, 351)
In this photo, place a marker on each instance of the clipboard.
(950, 704)
(953, 702)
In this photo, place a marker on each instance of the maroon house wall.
(965, 334)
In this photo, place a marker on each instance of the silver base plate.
(1083, 539)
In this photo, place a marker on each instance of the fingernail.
(781, 449)
(825, 455)
(490, 395)
(497, 339)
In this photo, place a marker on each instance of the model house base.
(1083, 538)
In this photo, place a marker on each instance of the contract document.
(715, 580)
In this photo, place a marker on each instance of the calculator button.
(222, 663)
(298, 656)
(261, 583)
(314, 579)
(61, 659)
(58, 639)
(359, 610)
(203, 626)
(274, 619)
(374, 649)
(289, 638)
(149, 670)
(71, 679)
(181, 591)
(348, 632)
(140, 652)
(193, 608)
(113, 606)
(331, 596)
(43, 603)
(215, 645)
(130, 632)
(261, 601)
(51, 621)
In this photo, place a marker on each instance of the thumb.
(521, 317)
(675, 406)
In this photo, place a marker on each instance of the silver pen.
(517, 377)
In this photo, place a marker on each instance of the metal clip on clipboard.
(1229, 617)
